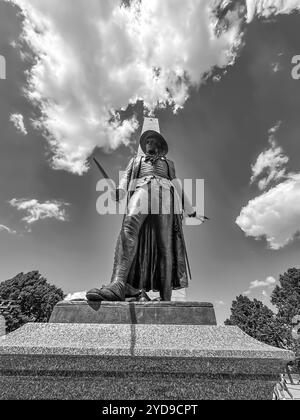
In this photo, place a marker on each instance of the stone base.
(167, 313)
(137, 362)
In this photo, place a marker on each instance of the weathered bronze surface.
(150, 252)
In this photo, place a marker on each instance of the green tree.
(13, 316)
(286, 296)
(32, 299)
(258, 321)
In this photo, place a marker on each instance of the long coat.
(145, 270)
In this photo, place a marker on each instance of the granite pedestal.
(159, 313)
(137, 362)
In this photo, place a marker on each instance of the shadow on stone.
(161, 313)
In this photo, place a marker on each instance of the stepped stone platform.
(135, 360)
(164, 313)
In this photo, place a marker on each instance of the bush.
(30, 298)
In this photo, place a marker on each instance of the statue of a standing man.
(150, 252)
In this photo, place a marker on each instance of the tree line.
(264, 324)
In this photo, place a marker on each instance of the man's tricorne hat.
(154, 134)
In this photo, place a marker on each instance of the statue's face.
(152, 146)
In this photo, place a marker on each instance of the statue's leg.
(126, 249)
(165, 244)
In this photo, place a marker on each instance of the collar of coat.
(153, 159)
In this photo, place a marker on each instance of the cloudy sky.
(218, 75)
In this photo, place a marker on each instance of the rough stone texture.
(2, 326)
(128, 362)
(174, 313)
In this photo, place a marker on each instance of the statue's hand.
(117, 195)
(195, 215)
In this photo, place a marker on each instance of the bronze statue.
(150, 252)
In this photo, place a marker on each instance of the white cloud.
(18, 121)
(36, 211)
(257, 284)
(7, 230)
(275, 214)
(220, 303)
(267, 8)
(275, 67)
(95, 58)
(271, 164)
(217, 78)
(76, 296)
(274, 130)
